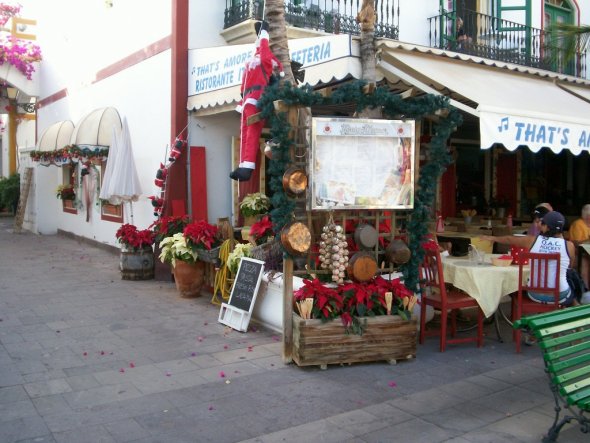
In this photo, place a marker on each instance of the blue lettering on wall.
(564, 136)
(214, 81)
(312, 54)
(519, 127)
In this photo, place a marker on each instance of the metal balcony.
(502, 40)
(331, 16)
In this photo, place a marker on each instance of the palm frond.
(565, 41)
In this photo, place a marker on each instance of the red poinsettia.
(132, 238)
(167, 226)
(327, 303)
(262, 230)
(201, 234)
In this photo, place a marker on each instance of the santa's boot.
(241, 174)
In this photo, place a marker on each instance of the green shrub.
(10, 192)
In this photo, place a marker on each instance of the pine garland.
(394, 107)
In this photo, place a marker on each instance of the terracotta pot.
(189, 278)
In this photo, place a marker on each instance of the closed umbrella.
(108, 172)
(123, 183)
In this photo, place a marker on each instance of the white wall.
(413, 26)
(77, 45)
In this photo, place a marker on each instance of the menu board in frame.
(362, 164)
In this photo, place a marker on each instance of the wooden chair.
(538, 282)
(435, 294)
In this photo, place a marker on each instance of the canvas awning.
(514, 108)
(56, 136)
(215, 73)
(96, 128)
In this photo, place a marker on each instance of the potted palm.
(137, 254)
(181, 251)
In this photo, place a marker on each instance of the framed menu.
(362, 164)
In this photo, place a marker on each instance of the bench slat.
(567, 380)
(579, 398)
(553, 317)
(547, 343)
(558, 366)
(563, 352)
(560, 328)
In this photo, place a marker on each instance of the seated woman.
(550, 240)
(462, 38)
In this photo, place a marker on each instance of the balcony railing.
(331, 16)
(490, 37)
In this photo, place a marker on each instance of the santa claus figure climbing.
(256, 76)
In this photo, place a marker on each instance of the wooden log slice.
(362, 266)
(365, 236)
(296, 238)
(397, 252)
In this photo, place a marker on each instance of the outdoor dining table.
(484, 282)
(470, 237)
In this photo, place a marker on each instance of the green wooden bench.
(564, 337)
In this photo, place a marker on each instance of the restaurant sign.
(221, 67)
(513, 131)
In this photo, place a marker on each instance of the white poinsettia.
(254, 204)
(233, 259)
(176, 248)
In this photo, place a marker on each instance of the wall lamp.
(13, 93)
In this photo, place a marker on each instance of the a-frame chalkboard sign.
(237, 311)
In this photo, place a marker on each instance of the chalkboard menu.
(246, 284)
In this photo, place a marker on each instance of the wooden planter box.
(387, 337)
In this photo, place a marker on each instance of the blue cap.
(554, 220)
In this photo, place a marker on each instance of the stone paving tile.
(23, 429)
(16, 410)
(90, 434)
(512, 401)
(318, 431)
(126, 430)
(414, 430)
(101, 395)
(49, 387)
(358, 422)
(425, 402)
(51, 404)
(12, 394)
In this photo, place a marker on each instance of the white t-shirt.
(552, 245)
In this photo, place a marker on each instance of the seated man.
(580, 229)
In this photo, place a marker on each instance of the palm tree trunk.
(274, 14)
(366, 18)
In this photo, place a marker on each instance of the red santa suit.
(256, 76)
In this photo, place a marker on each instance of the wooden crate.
(387, 337)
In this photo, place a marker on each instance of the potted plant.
(65, 192)
(167, 226)
(261, 232)
(254, 205)
(137, 254)
(181, 250)
(375, 322)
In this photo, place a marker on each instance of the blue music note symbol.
(503, 124)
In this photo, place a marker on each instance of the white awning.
(56, 136)
(96, 128)
(215, 73)
(514, 108)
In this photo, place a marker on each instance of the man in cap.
(580, 229)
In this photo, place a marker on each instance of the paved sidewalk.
(87, 357)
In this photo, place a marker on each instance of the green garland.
(70, 153)
(394, 107)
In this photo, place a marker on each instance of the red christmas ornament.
(161, 175)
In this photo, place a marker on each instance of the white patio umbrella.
(108, 172)
(123, 183)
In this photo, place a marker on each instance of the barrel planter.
(189, 278)
(386, 338)
(137, 264)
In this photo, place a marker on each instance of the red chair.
(435, 294)
(537, 282)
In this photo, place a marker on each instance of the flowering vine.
(22, 54)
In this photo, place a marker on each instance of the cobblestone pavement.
(88, 357)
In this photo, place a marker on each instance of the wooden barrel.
(137, 265)
(362, 266)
